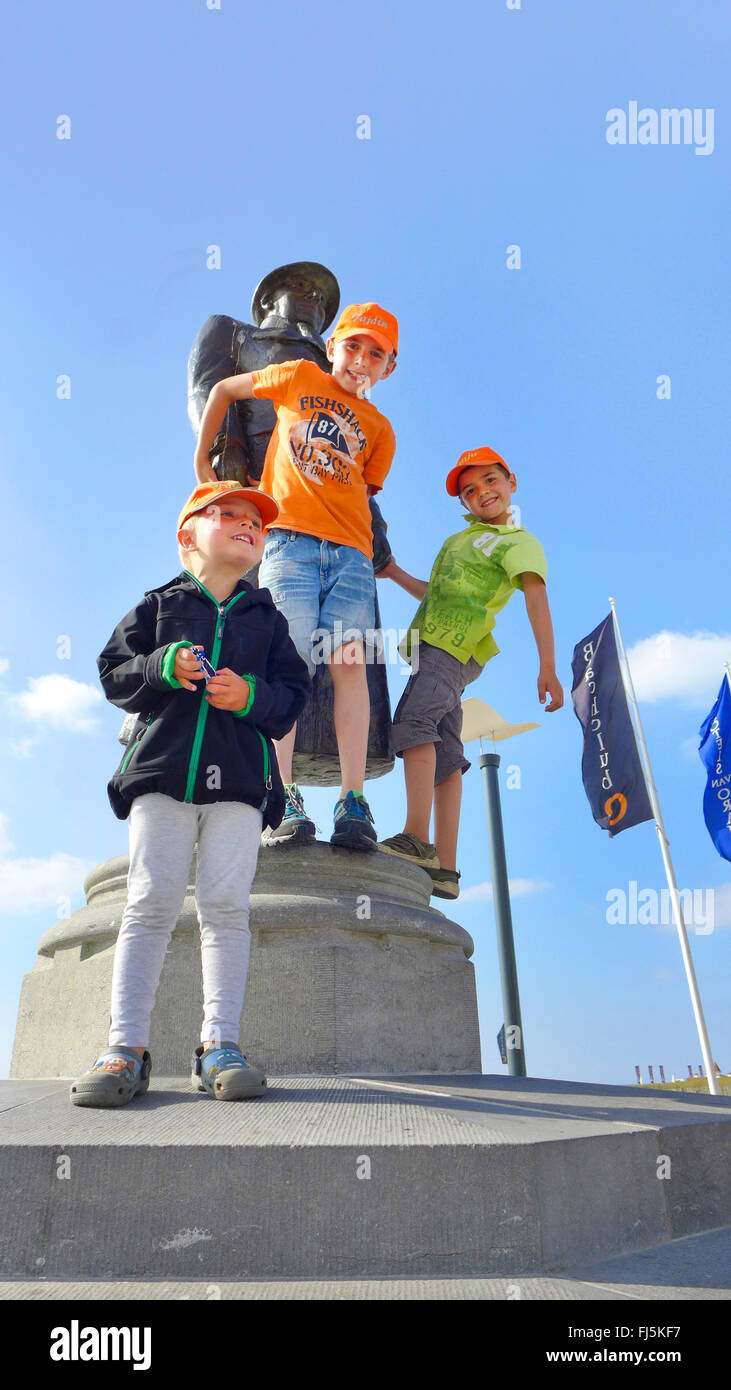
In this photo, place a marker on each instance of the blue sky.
(237, 127)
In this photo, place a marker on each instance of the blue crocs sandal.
(107, 1084)
(224, 1073)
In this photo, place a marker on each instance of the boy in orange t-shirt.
(330, 451)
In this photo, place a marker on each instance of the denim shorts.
(430, 709)
(325, 591)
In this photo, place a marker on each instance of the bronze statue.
(290, 307)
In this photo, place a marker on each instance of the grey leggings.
(162, 835)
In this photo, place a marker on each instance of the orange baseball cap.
(206, 493)
(370, 319)
(472, 459)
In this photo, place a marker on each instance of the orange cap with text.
(207, 493)
(368, 319)
(472, 459)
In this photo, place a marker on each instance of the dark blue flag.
(715, 751)
(502, 1045)
(610, 765)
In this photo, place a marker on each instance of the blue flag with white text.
(715, 753)
(610, 766)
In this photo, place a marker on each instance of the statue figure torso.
(224, 347)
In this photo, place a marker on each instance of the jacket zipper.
(267, 770)
(203, 711)
(136, 743)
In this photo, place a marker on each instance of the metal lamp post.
(481, 721)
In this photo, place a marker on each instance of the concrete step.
(694, 1268)
(351, 1178)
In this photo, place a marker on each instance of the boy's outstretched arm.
(232, 388)
(539, 614)
(416, 587)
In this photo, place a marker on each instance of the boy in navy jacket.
(199, 769)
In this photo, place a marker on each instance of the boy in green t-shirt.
(472, 578)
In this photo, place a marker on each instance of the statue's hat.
(312, 270)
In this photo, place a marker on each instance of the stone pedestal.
(351, 972)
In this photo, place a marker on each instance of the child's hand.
(549, 684)
(416, 587)
(226, 690)
(186, 669)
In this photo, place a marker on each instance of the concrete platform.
(347, 1178)
(693, 1269)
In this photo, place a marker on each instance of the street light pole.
(490, 762)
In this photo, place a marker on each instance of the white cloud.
(4, 664)
(60, 702)
(676, 665)
(29, 884)
(519, 888)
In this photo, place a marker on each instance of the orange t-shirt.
(327, 446)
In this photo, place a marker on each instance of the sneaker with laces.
(295, 828)
(408, 846)
(354, 828)
(224, 1073)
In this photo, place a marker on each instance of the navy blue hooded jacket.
(182, 746)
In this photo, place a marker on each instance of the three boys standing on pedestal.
(331, 450)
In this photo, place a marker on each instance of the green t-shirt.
(472, 578)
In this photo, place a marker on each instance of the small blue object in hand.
(204, 664)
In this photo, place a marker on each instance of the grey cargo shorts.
(430, 709)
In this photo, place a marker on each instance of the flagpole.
(665, 851)
(728, 673)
